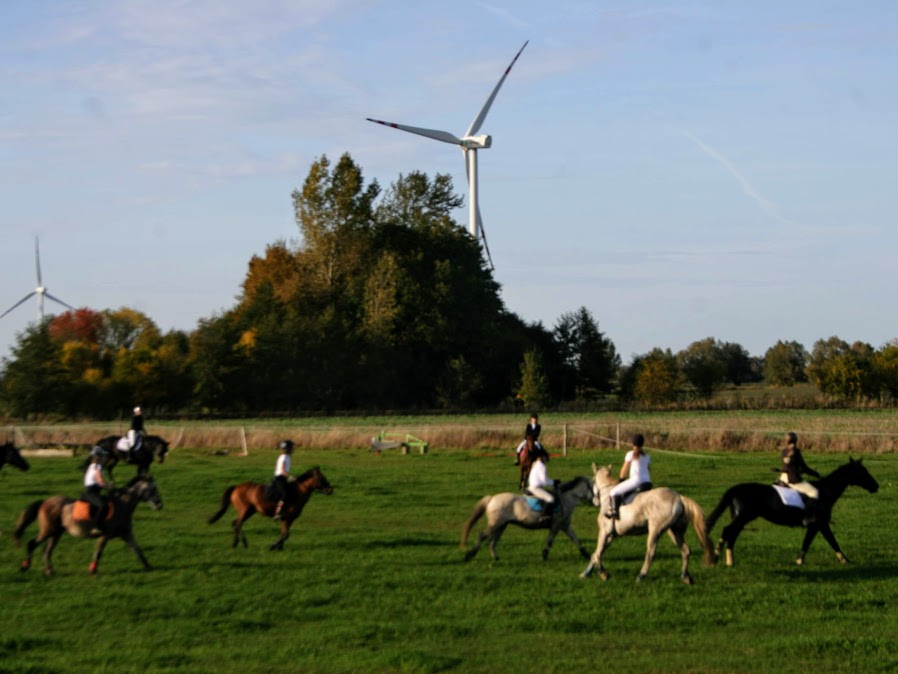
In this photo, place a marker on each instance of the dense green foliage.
(386, 303)
(372, 579)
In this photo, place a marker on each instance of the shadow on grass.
(851, 572)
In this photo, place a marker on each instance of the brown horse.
(528, 455)
(250, 497)
(56, 517)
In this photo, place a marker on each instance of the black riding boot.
(615, 508)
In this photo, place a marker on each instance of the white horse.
(653, 512)
(508, 508)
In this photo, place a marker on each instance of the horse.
(654, 511)
(751, 500)
(9, 454)
(151, 446)
(508, 508)
(55, 516)
(250, 497)
(530, 451)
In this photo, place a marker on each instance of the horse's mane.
(570, 484)
(306, 475)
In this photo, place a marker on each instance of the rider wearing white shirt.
(282, 476)
(636, 468)
(94, 481)
(537, 483)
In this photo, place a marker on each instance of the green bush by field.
(372, 580)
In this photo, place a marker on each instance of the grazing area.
(372, 579)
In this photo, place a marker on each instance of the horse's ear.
(595, 468)
(610, 469)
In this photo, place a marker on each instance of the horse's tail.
(726, 501)
(697, 517)
(27, 517)
(479, 509)
(225, 502)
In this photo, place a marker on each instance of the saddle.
(535, 504)
(83, 510)
(631, 495)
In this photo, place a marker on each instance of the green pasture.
(372, 579)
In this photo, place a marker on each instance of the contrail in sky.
(747, 188)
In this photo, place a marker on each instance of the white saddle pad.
(790, 496)
(123, 445)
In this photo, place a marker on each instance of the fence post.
(243, 441)
(564, 442)
(617, 438)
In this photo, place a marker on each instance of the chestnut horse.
(528, 455)
(56, 517)
(250, 497)
(9, 454)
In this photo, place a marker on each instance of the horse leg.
(651, 544)
(285, 534)
(48, 553)
(238, 526)
(494, 540)
(469, 555)
(809, 536)
(98, 552)
(33, 544)
(569, 530)
(595, 562)
(728, 538)
(678, 536)
(132, 543)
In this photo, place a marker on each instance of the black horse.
(751, 500)
(151, 447)
(9, 454)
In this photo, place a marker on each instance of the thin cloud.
(747, 188)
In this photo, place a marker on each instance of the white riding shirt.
(282, 467)
(538, 476)
(93, 475)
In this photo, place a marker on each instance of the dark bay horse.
(528, 455)
(652, 512)
(504, 509)
(151, 447)
(9, 454)
(250, 497)
(55, 516)
(751, 500)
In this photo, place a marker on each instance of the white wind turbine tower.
(40, 290)
(469, 144)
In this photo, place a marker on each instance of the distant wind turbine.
(40, 290)
(469, 144)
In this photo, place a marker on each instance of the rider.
(94, 481)
(636, 472)
(532, 429)
(537, 484)
(282, 477)
(136, 432)
(791, 474)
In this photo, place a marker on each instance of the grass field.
(372, 580)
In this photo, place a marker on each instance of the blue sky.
(681, 169)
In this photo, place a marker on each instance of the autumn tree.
(704, 365)
(785, 363)
(656, 377)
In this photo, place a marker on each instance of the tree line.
(385, 303)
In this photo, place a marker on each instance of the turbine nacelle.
(476, 142)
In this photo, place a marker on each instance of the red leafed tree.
(80, 325)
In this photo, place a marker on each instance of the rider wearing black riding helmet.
(282, 477)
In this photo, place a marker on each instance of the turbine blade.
(21, 301)
(444, 136)
(59, 301)
(37, 261)
(478, 121)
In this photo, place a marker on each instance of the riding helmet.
(286, 445)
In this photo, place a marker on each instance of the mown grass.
(372, 579)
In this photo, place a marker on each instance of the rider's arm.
(625, 470)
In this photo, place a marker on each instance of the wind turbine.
(469, 144)
(40, 290)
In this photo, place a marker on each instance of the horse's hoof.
(604, 575)
(687, 579)
(545, 555)
(842, 558)
(729, 557)
(92, 569)
(26, 564)
(48, 572)
(640, 578)
(799, 561)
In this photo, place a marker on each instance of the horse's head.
(580, 488)
(859, 476)
(601, 477)
(144, 488)
(160, 448)
(320, 483)
(13, 457)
